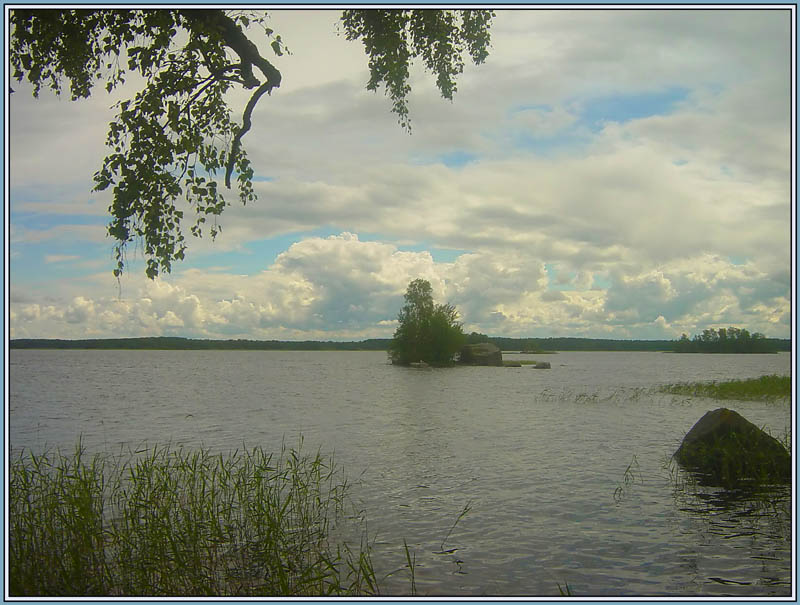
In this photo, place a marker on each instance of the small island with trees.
(725, 340)
(428, 333)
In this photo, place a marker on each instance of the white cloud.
(656, 224)
(342, 287)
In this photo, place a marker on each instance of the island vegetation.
(725, 340)
(426, 332)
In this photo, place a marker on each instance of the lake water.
(539, 457)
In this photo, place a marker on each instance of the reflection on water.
(755, 521)
(536, 456)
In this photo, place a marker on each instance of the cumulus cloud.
(342, 287)
(692, 293)
(665, 219)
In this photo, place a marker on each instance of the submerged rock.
(542, 365)
(482, 354)
(725, 448)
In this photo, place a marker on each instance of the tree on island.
(427, 332)
(724, 340)
(169, 141)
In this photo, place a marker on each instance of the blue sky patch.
(36, 262)
(38, 221)
(451, 159)
(553, 276)
(256, 256)
(440, 255)
(457, 159)
(621, 108)
(600, 282)
(591, 116)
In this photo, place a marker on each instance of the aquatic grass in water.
(182, 522)
(764, 388)
(56, 525)
(628, 478)
(754, 509)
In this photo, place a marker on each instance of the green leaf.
(180, 122)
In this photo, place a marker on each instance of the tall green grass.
(177, 522)
(765, 387)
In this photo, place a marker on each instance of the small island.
(427, 333)
(725, 340)
(430, 334)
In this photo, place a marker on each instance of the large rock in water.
(726, 449)
(482, 354)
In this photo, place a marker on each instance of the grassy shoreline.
(176, 522)
(769, 387)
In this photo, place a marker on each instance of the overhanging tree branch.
(249, 56)
(236, 144)
(174, 135)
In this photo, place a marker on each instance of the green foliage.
(730, 340)
(475, 338)
(464, 512)
(427, 332)
(765, 387)
(393, 38)
(168, 143)
(170, 522)
(564, 591)
(411, 563)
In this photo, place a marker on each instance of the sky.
(604, 174)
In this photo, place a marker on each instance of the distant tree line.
(700, 343)
(178, 343)
(538, 345)
(728, 340)
(732, 340)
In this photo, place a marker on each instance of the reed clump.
(768, 387)
(178, 522)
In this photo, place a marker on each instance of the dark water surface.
(539, 457)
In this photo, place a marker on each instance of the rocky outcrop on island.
(726, 449)
(481, 354)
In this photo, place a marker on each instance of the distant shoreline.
(510, 345)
